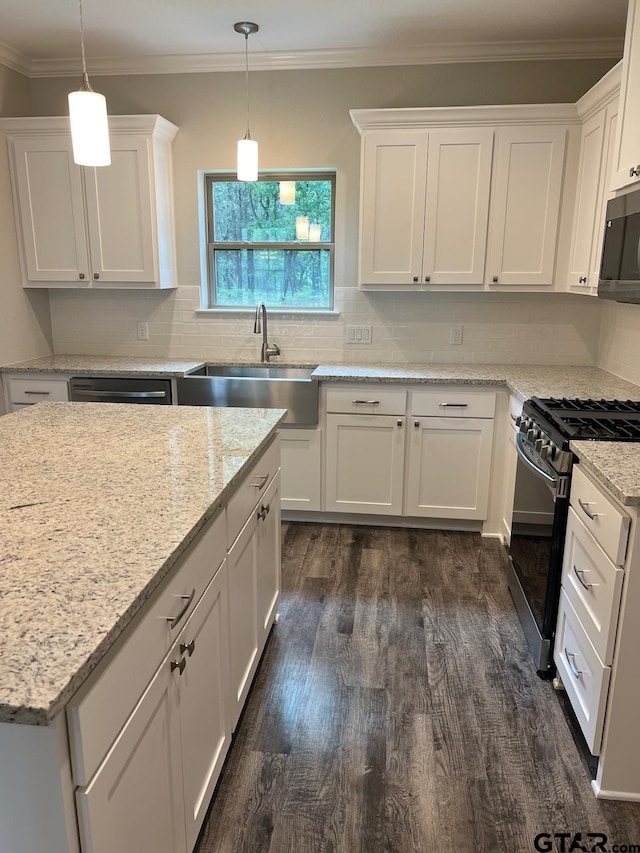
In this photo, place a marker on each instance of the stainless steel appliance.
(620, 266)
(541, 503)
(102, 389)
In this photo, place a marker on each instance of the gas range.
(550, 423)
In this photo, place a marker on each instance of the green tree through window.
(260, 250)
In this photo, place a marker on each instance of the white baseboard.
(613, 795)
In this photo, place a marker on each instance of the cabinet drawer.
(99, 709)
(30, 391)
(585, 677)
(452, 404)
(251, 489)
(593, 586)
(602, 518)
(366, 400)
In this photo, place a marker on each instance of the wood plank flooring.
(396, 709)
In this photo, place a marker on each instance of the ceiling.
(41, 37)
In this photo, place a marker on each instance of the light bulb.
(89, 128)
(247, 160)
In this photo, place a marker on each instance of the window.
(262, 249)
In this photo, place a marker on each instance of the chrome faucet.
(260, 327)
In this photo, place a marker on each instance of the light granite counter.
(99, 365)
(524, 380)
(97, 502)
(615, 464)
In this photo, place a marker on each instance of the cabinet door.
(626, 158)
(50, 209)
(365, 462)
(525, 206)
(243, 615)
(457, 206)
(449, 467)
(300, 468)
(205, 723)
(510, 485)
(119, 214)
(134, 802)
(393, 180)
(586, 207)
(604, 194)
(268, 559)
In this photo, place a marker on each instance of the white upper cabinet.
(525, 205)
(394, 169)
(462, 197)
(457, 208)
(626, 158)
(86, 227)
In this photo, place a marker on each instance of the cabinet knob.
(415, 278)
(582, 279)
(399, 423)
(416, 424)
(634, 172)
(427, 278)
(96, 275)
(495, 279)
(81, 275)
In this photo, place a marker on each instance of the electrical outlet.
(358, 334)
(142, 330)
(455, 334)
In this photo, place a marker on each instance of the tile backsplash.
(619, 350)
(407, 327)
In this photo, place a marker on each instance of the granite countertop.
(615, 464)
(97, 502)
(103, 365)
(524, 380)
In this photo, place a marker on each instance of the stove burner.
(604, 420)
(576, 405)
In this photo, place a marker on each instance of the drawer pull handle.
(262, 482)
(584, 506)
(173, 620)
(178, 664)
(188, 647)
(38, 393)
(578, 573)
(570, 660)
(453, 405)
(366, 402)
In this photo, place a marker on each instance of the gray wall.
(301, 119)
(25, 323)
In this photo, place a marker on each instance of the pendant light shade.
(88, 119)
(247, 166)
(287, 192)
(247, 160)
(89, 128)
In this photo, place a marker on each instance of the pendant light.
(88, 119)
(287, 192)
(247, 147)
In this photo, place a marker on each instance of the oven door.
(535, 554)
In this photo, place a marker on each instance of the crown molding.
(15, 60)
(337, 58)
(603, 91)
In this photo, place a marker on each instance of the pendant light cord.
(86, 86)
(246, 78)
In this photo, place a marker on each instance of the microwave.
(620, 267)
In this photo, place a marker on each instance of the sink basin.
(263, 387)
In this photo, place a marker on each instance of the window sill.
(325, 313)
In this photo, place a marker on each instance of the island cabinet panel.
(301, 468)
(97, 712)
(269, 564)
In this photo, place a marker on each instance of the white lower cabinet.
(254, 590)
(448, 467)
(364, 463)
(300, 467)
(153, 788)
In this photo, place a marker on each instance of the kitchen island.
(104, 507)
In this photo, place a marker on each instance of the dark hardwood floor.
(396, 709)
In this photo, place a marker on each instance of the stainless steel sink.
(263, 387)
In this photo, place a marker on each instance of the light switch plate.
(358, 334)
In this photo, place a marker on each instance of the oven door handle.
(521, 444)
